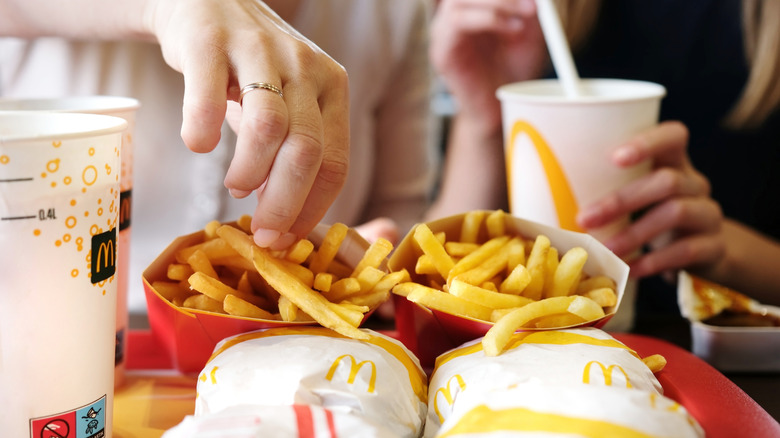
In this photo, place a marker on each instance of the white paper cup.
(118, 106)
(59, 213)
(558, 150)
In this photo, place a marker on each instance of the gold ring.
(258, 86)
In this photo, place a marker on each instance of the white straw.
(558, 47)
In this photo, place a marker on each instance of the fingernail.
(626, 154)
(238, 194)
(586, 215)
(264, 238)
(284, 241)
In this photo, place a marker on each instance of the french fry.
(460, 249)
(235, 306)
(443, 301)
(323, 281)
(472, 221)
(431, 246)
(655, 362)
(374, 256)
(178, 271)
(200, 262)
(485, 297)
(568, 272)
(203, 302)
(496, 223)
(328, 248)
(498, 336)
(299, 251)
(604, 296)
(301, 295)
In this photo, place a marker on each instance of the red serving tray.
(720, 406)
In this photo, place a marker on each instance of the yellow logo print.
(606, 372)
(563, 197)
(354, 368)
(447, 393)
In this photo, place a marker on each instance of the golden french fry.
(200, 262)
(299, 252)
(434, 248)
(178, 271)
(568, 272)
(604, 296)
(516, 281)
(369, 300)
(350, 313)
(557, 321)
(203, 302)
(369, 277)
(472, 222)
(342, 289)
(489, 267)
(171, 290)
(214, 249)
(443, 301)
(210, 230)
(244, 222)
(655, 362)
(390, 280)
(235, 306)
(478, 256)
(536, 264)
(495, 223)
(550, 267)
(301, 295)
(374, 256)
(498, 336)
(328, 248)
(323, 281)
(460, 249)
(485, 297)
(287, 310)
(595, 282)
(425, 266)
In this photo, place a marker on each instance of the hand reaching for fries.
(227, 273)
(490, 275)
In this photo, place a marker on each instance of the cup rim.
(550, 91)
(95, 104)
(32, 124)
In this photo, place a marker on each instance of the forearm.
(751, 265)
(77, 19)
(474, 174)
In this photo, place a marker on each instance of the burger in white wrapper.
(297, 421)
(570, 357)
(537, 409)
(377, 379)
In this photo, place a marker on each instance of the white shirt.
(393, 161)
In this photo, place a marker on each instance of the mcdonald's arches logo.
(563, 199)
(125, 209)
(354, 368)
(103, 256)
(447, 393)
(606, 371)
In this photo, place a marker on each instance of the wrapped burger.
(569, 362)
(376, 381)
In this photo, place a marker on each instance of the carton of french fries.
(487, 273)
(217, 283)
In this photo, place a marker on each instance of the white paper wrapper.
(378, 379)
(572, 357)
(299, 421)
(537, 409)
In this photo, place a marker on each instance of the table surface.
(154, 398)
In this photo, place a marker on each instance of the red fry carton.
(189, 335)
(428, 332)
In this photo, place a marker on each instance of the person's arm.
(292, 147)
(477, 46)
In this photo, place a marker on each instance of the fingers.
(682, 217)
(264, 125)
(382, 227)
(665, 144)
(688, 253)
(653, 188)
(205, 100)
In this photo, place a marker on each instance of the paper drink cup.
(558, 150)
(59, 217)
(124, 107)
